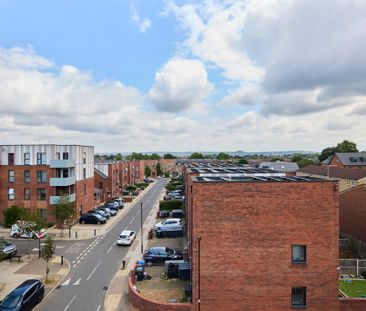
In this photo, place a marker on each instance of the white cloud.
(245, 95)
(180, 85)
(142, 24)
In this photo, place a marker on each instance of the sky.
(165, 75)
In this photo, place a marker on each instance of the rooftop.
(352, 158)
(258, 179)
(335, 172)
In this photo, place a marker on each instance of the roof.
(280, 166)
(259, 179)
(335, 172)
(352, 158)
(23, 287)
(98, 172)
(126, 232)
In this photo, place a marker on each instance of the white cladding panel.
(52, 152)
(103, 167)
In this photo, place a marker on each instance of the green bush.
(12, 214)
(141, 185)
(131, 188)
(170, 205)
(364, 274)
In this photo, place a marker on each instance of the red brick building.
(35, 177)
(262, 242)
(349, 160)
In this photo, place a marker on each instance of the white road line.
(66, 282)
(74, 266)
(98, 308)
(115, 242)
(73, 298)
(110, 249)
(96, 267)
(73, 261)
(78, 261)
(77, 282)
(82, 258)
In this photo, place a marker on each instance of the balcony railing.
(62, 182)
(55, 199)
(62, 163)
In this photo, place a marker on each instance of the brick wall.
(86, 200)
(33, 204)
(247, 230)
(352, 304)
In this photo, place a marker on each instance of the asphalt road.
(97, 261)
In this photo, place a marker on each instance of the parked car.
(120, 201)
(112, 205)
(7, 249)
(92, 218)
(126, 237)
(100, 212)
(16, 231)
(159, 254)
(170, 224)
(24, 297)
(112, 212)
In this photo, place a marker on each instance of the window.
(84, 157)
(41, 158)
(65, 156)
(299, 253)
(84, 173)
(11, 194)
(10, 158)
(58, 156)
(41, 176)
(11, 176)
(298, 296)
(27, 176)
(26, 194)
(26, 158)
(42, 213)
(41, 194)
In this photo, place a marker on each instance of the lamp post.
(142, 235)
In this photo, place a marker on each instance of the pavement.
(116, 297)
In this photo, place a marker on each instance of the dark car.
(101, 213)
(7, 249)
(112, 205)
(24, 297)
(160, 254)
(111, 212)
(92, 218)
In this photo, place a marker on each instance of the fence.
(352, 266)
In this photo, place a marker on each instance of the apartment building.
(261, 242)
(110, 169)
(34, 177)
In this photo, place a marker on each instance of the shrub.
(12, 214)
(170, 205)
(363, 274)
(131, 188)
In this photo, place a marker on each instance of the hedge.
(170, 205)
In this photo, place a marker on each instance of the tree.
(275, 159)
(223, 156)
(346, 146)
(196, 155)
(169, 156)
(242, 161)
(154, 156)
(118, 157)
(326, 153)
(158, 169)
(48, 251)
(64, 211)
(12, 215)
(147, 171)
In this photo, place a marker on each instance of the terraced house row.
(35, 177)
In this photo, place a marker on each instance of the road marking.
(73, 261)
(74, 266)
(110, 249)
(98, 308)
(78, 261)
(73, 298)
(77, 282)
(66, 282)
(96, 267)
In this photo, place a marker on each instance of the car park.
(126, 237)
(24, 297)
(159, 254)
(112, 212)
(92, 218)
(170, 224)
(18, 231)
(7, 249)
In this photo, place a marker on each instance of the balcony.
(62, 182)
(62, 163)
(54, 199)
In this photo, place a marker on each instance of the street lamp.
(142, 235)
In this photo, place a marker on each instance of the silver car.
(7, 249)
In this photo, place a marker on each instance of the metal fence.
(352, 266)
